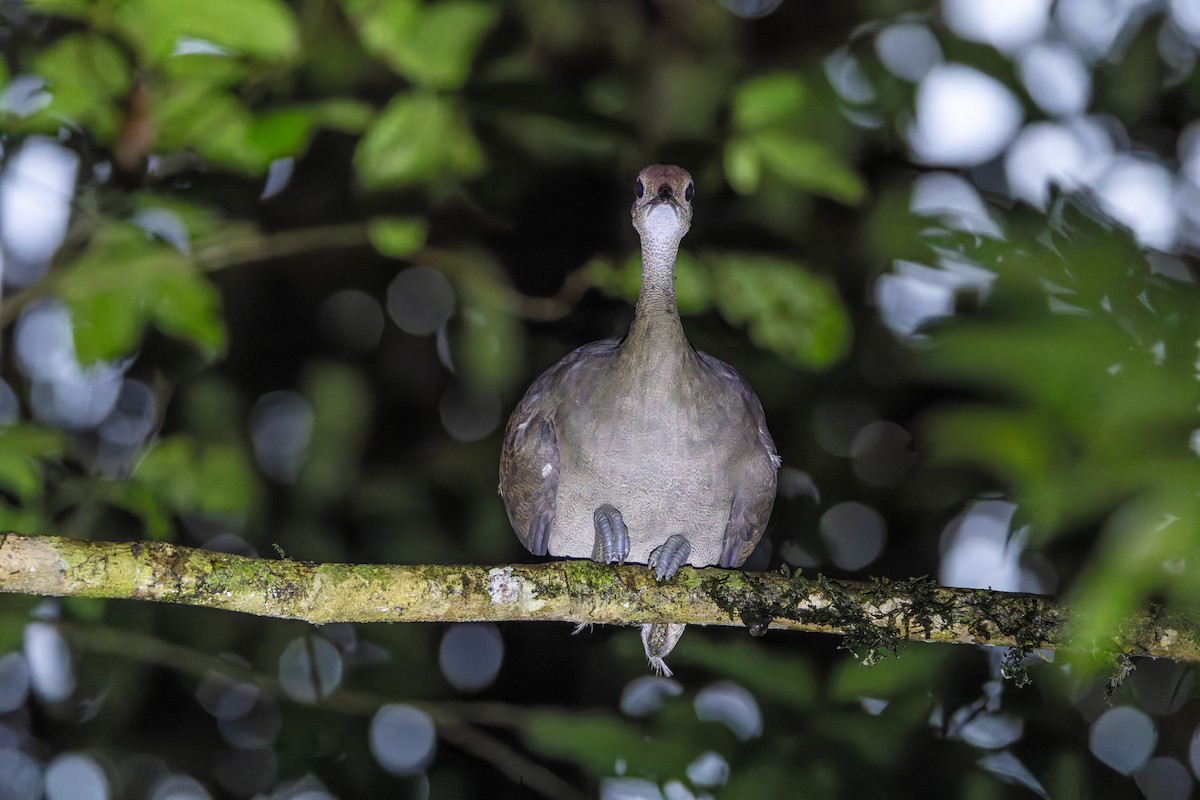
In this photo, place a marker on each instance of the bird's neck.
(657, 333)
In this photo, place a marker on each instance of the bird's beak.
(664, 195)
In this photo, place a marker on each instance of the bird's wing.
(754, 495)
(529, 459)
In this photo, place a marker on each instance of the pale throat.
(662, 223)
(661, 232)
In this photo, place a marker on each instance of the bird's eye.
(638, 188)
(689, 192)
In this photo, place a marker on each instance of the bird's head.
(662, 205)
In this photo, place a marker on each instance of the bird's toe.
(612, 536)
(668, 557)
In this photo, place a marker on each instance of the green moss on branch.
(873, 617)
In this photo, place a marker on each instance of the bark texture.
(873, 617)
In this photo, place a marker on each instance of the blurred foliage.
(124, 280)
(774, 132)
(785, 308)
(253, 174)
(1093, 354)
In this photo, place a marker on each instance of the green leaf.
(417, 137)
(397, 237)
(341, 402)
(143, 503)
(787, 309)
(769, 100)
(788, 679)
(1147, 548)
(200, 71)
(596, 742)
(914, 672)
(743, 165)
(343, 114)
(553, 137)
(74, 9)
(22, 450)
(263, 29)
(693, 283)
(200, 221)
(492, 341)
(622, 280)
(211, 122)
(124, 281)
(809, 165)
(282, 132)
(85, 75)
(431, 44)
(186, 475)
(207, 406)
(22, 519)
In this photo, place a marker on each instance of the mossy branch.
(872, 616)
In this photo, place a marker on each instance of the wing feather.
(529, 459)
(754, 497)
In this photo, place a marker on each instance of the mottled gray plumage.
(672, 439)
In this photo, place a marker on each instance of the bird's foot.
(668, 557)
(659, 639)
(612, 537)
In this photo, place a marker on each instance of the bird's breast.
(665, 451)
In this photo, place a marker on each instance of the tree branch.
(872, 616)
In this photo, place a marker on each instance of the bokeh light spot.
(280, 427)
(629, 789)
(1164, 779)
(179, 787)
(1056, 78)
(310, 668)
(49, 662)
(14, 682)
(732, 705)
(751, 9)
(402, 739)
(908, 50)
(353, 319)
(646, 694)
(1123, 738)
(964, 117)
(36, 189)
(258, 727)
(1004, 24)
(469, 414)
(854, 535)
(882, 454)
(279, 175)
(75, 777)
(419, 300)
(1141, 194)
(10, 406)
(709, 769)
(470, 655)
(20, 776)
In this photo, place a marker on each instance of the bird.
(643, 449)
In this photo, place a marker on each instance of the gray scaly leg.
(612, 537)
(659, 638)
(668, 557)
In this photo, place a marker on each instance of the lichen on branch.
(873, 617)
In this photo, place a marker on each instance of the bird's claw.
(612, 537)
(668, 557)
